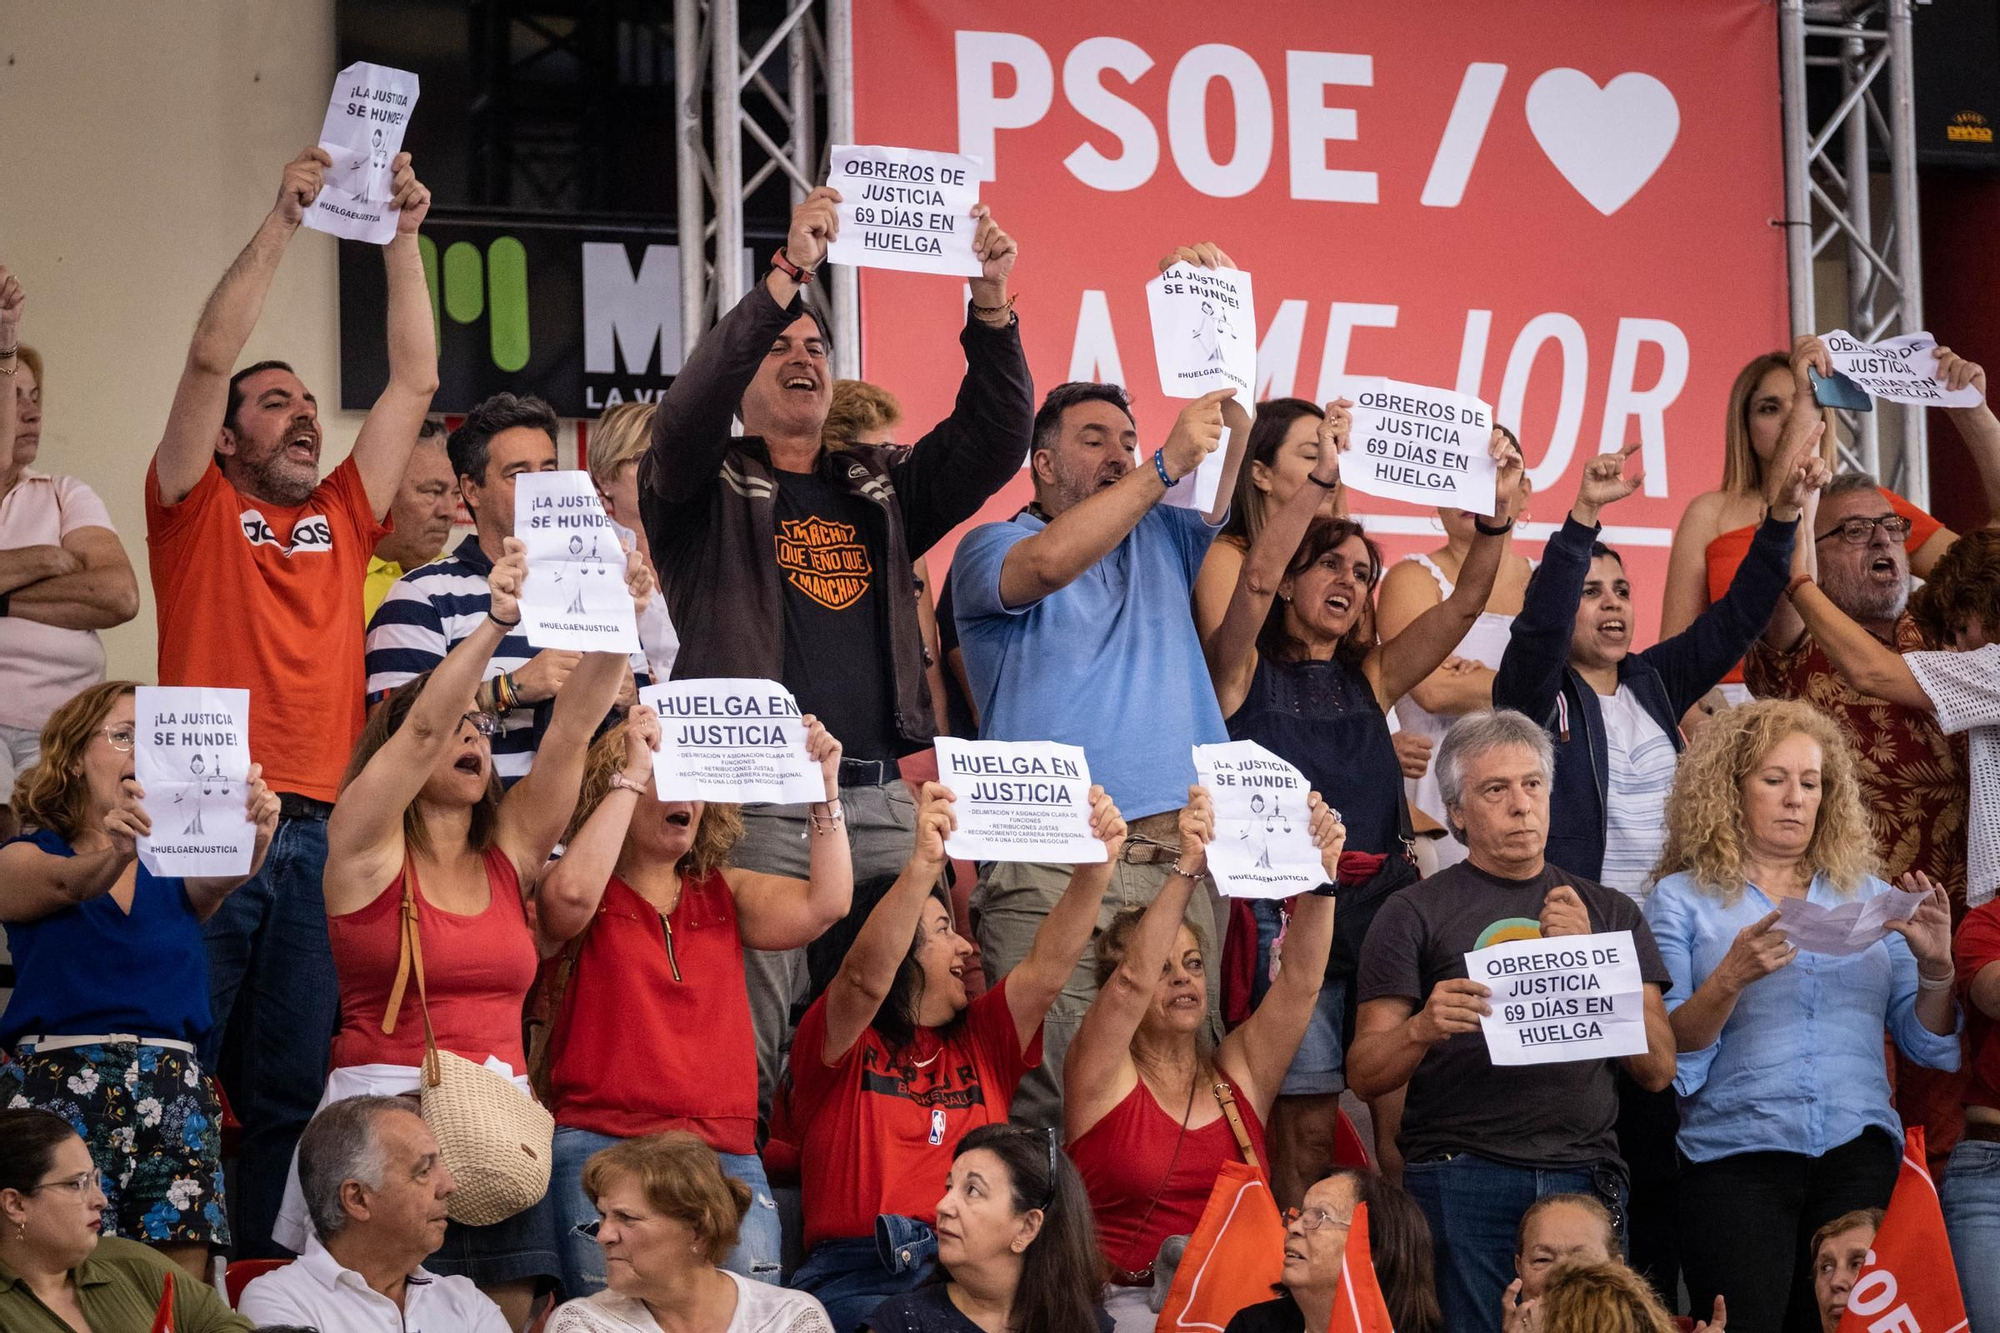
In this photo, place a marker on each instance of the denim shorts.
(520, 1248)
(1321, 1063)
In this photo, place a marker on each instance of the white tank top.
(1483, 643)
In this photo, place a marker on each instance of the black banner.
(585, 315)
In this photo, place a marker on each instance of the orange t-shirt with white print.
(267, 598)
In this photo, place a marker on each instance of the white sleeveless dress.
(1483, 643)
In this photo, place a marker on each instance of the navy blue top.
(1322, 717)
(93, 968)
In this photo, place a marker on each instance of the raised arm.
(382, 448)
(1262, 1047)
(1803, 431)
(537, 809)
(1207, 254)
(1870, 665)
(202, 396)
(1232, 649)
(1457, 686)
(572, 888)
(1097, 1068)
(1399, 663)
(857, 991)
(1977, 426)
(779, 912)
(1076, 539)
(1036, 981)
(364, 835)
(978, 448)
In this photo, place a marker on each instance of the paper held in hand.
(1571, 997)
(574, 597)
(191, 756)
(1197, 490)
(1426, 446)
(905, 208)
(731, 739)
(363, 132)
(1018, 801)
(1263, 845)
(1903, 370)
(1204, 331)
(1848, 928)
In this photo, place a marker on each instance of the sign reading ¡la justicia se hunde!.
(589, 316)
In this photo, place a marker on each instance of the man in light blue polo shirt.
(1075, 622)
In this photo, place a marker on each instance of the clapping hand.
(1329, 835)
(1604, 482)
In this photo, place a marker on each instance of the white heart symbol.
(1607, 141)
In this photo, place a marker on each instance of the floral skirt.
(153, 1123)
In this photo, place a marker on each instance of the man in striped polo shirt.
(431, 608)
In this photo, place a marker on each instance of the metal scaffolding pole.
(1831, 178)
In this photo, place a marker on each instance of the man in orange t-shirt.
(257, 569)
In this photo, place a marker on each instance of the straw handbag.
(496, 1139)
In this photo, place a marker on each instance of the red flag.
(1233, 1258)
(163, 1318)
(1358, 1306)
(1908, 1284)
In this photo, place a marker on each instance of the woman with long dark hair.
(1299, 668)
(1015, 1242)
(892, 1065)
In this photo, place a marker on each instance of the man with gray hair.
(1481, 1142)
(376, 1186)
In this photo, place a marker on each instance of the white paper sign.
(731, 739)
(1427, 446)
(1263, 845)
(1573, 997)
(191, 755)
(1903, 370)
(1848, 928)
(904, 208)
(365, 120)
(1204, 331)
(1198, 488)
(1018, 801)
(574, 597)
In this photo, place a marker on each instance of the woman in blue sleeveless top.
(1298, 669)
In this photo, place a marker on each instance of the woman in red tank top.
(1143, 1091)
(658, 924)
(421, 804)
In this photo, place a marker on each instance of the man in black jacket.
(783, 561)
(1613, 713)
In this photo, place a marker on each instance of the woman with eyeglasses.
(111, 990)
(62, 1274)
(1015, 1241)
(421, 824)
(668, 1216)
(1399, 1244)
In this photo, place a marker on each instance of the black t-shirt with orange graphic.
(834, 627)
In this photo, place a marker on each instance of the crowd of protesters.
(802, 1080)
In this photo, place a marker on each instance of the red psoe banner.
(1565, 207)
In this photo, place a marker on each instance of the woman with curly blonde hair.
(1785, 1115)
(657, 922)
(1601, 1298)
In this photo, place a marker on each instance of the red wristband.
(802, 276)
(1798, 581)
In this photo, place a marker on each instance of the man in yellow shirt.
(421, 516)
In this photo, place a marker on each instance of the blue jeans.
(1474, 1206)
(276, 1002)
(1970, 1196)
(852, 1277)
(757, 1241)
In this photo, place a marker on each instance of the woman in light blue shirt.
(1784, 1093)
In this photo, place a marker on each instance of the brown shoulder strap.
(549, 1006)
(410, 959)
(1225, 1097)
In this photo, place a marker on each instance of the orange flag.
(163, 1318)
(1234, 1256)
(1908, 1284)
(1358, 1306)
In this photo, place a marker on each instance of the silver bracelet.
(1925, 983)
(1185, 873)
(823, 815)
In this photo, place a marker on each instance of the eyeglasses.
(486, 724)
(1312, 1219)
(1860, 531)
(89, 1180)
(120, 737)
